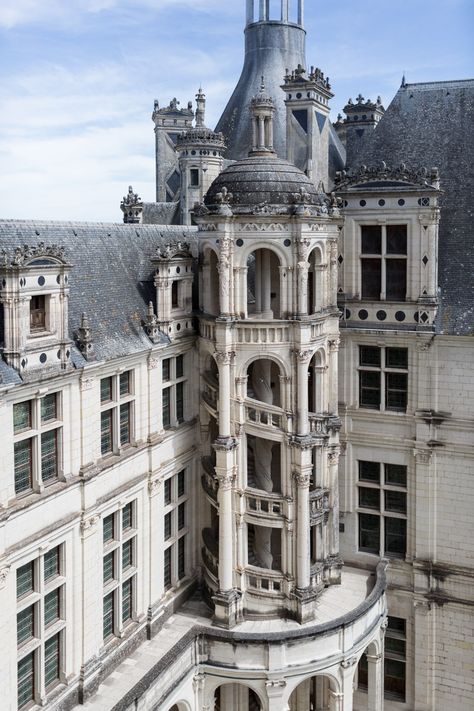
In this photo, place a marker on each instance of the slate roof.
(431, 124)
(111, 279)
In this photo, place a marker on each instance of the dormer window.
(37, 314)
(384, 262)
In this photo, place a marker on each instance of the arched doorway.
(263, 285)
(236, 697)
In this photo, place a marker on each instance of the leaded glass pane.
(371, 241)
(181, 516)
(106, 432)
(106, 390)
(125, 423)
(52, 563)
(127, 555)
(125, 384)
(127, 600)
(52, 603)
(369, 355)
(167, 492)
(49, 455)
(108, 567)
(395, 537)
(22, 416)
(369, 498)
(181, 557)
(26, 680)
(396, 385)
(396, 475)
(166, 400)
(23, 457)
(369, 471)
(108, 615)
(25, 624)
(127, 517)
(396, 501)
(369, 389)
(167, 568)
(369, 533)
(180, 402)
(180, 366)
(49, 408)
(51, 660)
(181, 483)
(25, 579)
(109, 528)
(167, 526)
(166, 369)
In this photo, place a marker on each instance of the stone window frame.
(174, 381)
(124, 538)
(34, 646)
(113, 407)
(175, 535)
(384, 257)
(381, 511)
(34, 433)
(386, 370)
(389, 655)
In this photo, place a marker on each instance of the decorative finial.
(151, 324)
(84, 339)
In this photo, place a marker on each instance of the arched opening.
(263, 285)
(180, 706)
(317, 397)
(314, 694)
(264, 547)
(264, 382)
(263, 464)
(236, 697)
(315, 282)
(211, 284)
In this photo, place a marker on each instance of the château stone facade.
(237, 429)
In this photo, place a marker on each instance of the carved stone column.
(375, 694)
(334, 344)
(302, 286)
(302, 359)
(303, 563)
(224, 362)
(267, 312)
(333, 275)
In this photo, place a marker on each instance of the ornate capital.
(224, 358)
(226, 479)
(154, 487)
(302, 479)
(303, 356)
(275, 683)
(4, 573)
(334, 344)
(423, 456)
(333, 457)
(88, 525)
(199, 681)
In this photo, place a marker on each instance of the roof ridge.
(121, 225)
(439, 84)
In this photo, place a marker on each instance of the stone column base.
(333, 569)
(305, 599)
(227, 608)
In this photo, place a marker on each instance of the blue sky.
(79, 78)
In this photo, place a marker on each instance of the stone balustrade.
(208, 478)
(264, 503)
(268, 582)
(318, 503)
(265, 415)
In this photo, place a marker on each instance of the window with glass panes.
(119, 565)
(175, 528)
(174, 380)
(395, 656)
(40, 589)
(384, 262)
(383, 378)
(37, 430)
(382, 508)
(116, 415)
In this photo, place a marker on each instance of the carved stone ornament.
(200, 210)
(226, 479)
(265, 227)
(333, 457)
(224, 358)
(207, 227)
(4, 573)
(303, 356)
(423, 456)
(383, 172)
(84, 339)
(334, 344)
(199, 681)
(347, 663)
(154, 487)
(86, 384)
(151, 324)
(275, 683)
(25, 254)
(88, 525)
(173, 250)
(303, 479)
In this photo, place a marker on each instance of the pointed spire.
(151, 324)
(403, 84)
(200, 108)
